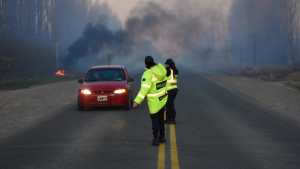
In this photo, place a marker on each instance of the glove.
(135, 105)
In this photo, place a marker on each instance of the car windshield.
(95, 75)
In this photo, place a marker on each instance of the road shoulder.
(275, 96)
(23, 108)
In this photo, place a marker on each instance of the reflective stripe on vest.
(159, 94)
(172, 83)
(146, 85)
(141, 96)
(173, 78)
(154, 79)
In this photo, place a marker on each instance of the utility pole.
(56, 36)
(57, 52)
(254, 49)
(109, 58)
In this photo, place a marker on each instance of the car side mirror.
(130, 79)
(80, 81)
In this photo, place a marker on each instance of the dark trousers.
(171, 111)
(158, 126)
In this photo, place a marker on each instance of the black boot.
(155, 142)
(172, 122)
(162, 140)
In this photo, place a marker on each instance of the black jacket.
(174, 70)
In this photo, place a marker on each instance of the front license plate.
(102, 98)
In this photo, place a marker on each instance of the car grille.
(99, 92)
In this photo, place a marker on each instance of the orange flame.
(60, 73)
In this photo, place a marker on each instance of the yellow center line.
(174, 150)
(161, 157)
(161, 154)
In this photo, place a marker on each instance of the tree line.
(31, 32)
(257, 31)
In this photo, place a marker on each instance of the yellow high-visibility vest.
(153, 87)
(172, 81)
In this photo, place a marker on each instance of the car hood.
(104, 85)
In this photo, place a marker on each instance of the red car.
(105, 86)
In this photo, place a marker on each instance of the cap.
(169, 62)
(149, 61)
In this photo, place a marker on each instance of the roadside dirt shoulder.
(21, 109)
(276, 96)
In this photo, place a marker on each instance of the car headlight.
(119, 91)
(86, 92)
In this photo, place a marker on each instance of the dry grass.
(293, 80)
(290, 77)
(294, 76)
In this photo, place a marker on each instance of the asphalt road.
(216, 129)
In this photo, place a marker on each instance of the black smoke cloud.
(150, 30)
(94, 40)
(200, 35)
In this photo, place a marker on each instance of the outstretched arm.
(144, 89)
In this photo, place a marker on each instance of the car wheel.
(129, 104)
(79, 106)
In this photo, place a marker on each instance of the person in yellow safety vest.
(153, 87)
(172, 89)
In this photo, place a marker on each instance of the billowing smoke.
(161, 30)
(202, 35)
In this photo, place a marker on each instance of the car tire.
(129, 105)
(79, 106)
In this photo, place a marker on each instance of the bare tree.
(2, 6)
(291, 8)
